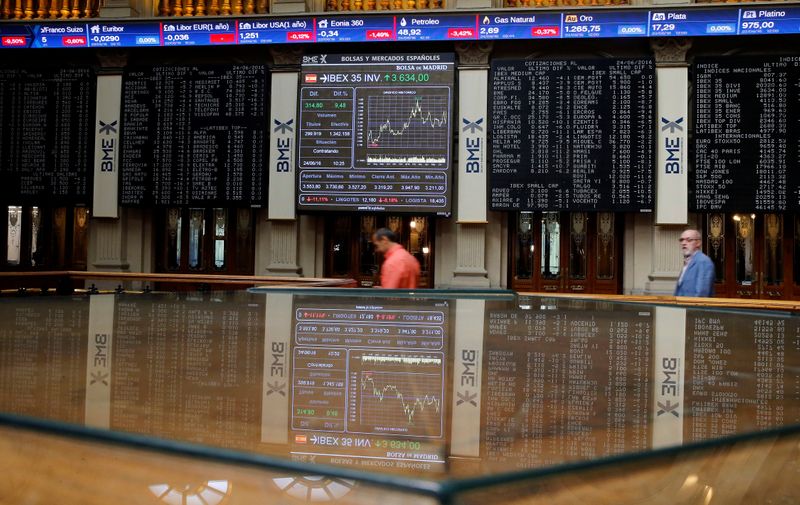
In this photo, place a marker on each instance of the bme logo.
(473, 144)
(673, 145)
(108, 146)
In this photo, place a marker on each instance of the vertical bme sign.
(672, 183)
(467, 379)
(472, 146)
(106, 146)
(283, 123)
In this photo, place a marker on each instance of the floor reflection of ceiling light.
(314, 488)
(212, 492)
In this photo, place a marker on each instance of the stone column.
(666, 262)
(276, 228)
(282, 238)
(471, 232)
(672, 104)
(109, 236)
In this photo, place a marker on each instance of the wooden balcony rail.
(382, 5)
(48, 9)
(66, 281)
(212, 7)
(526, 4)
(735, 1)
(730, 303)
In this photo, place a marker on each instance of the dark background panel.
(746, 133)
(46, 138)
(572, 135)
(194, 135)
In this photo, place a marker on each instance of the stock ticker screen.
(368, 383)
(376, 132)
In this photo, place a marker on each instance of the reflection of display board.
(376, 132)
(46, 118)
(572, 135)
(368, 381)
(561, 371)
(188, 367)
(746, 134)
(571, 381)
(194, 135)
(736, 373)
(43, 344)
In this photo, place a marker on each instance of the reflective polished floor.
(352, 396)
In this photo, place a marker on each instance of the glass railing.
(367, 396)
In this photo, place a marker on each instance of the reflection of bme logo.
(659, 16)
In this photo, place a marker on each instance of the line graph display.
(404, 128)
(376, 132)
(396, 393)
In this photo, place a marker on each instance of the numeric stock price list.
(46, 118)
(747, 129)
(572, 134)
(194, 135)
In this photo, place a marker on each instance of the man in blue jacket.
(697, 275)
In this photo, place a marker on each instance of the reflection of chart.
(409, 127)
(415, 398)
(396, 393)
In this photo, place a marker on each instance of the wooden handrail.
(733, 303)
(35, 279)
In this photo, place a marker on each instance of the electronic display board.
(46, 138)
(194, 135)
(368, 381)
(572, 135)
(516, 24)
(747, 129)
(375, 133)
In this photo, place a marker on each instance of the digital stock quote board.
(194, 135)
(46, 139)
(746, 136)
(376, 133)
(572, 135)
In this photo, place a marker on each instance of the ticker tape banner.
(686, 21)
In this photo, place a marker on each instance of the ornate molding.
(283, 248)
(109, 242)
(474, 53)
(670, 51)
(470, 256)
(111, 60)
(287, 56)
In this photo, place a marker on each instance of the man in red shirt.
(400, 270)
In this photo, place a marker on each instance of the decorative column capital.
(111, 60)
(287, 56)
(474, 54)
(670, 51)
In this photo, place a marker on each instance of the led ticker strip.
(505, 25)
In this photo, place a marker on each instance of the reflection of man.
(399, 269)
(697, 275)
